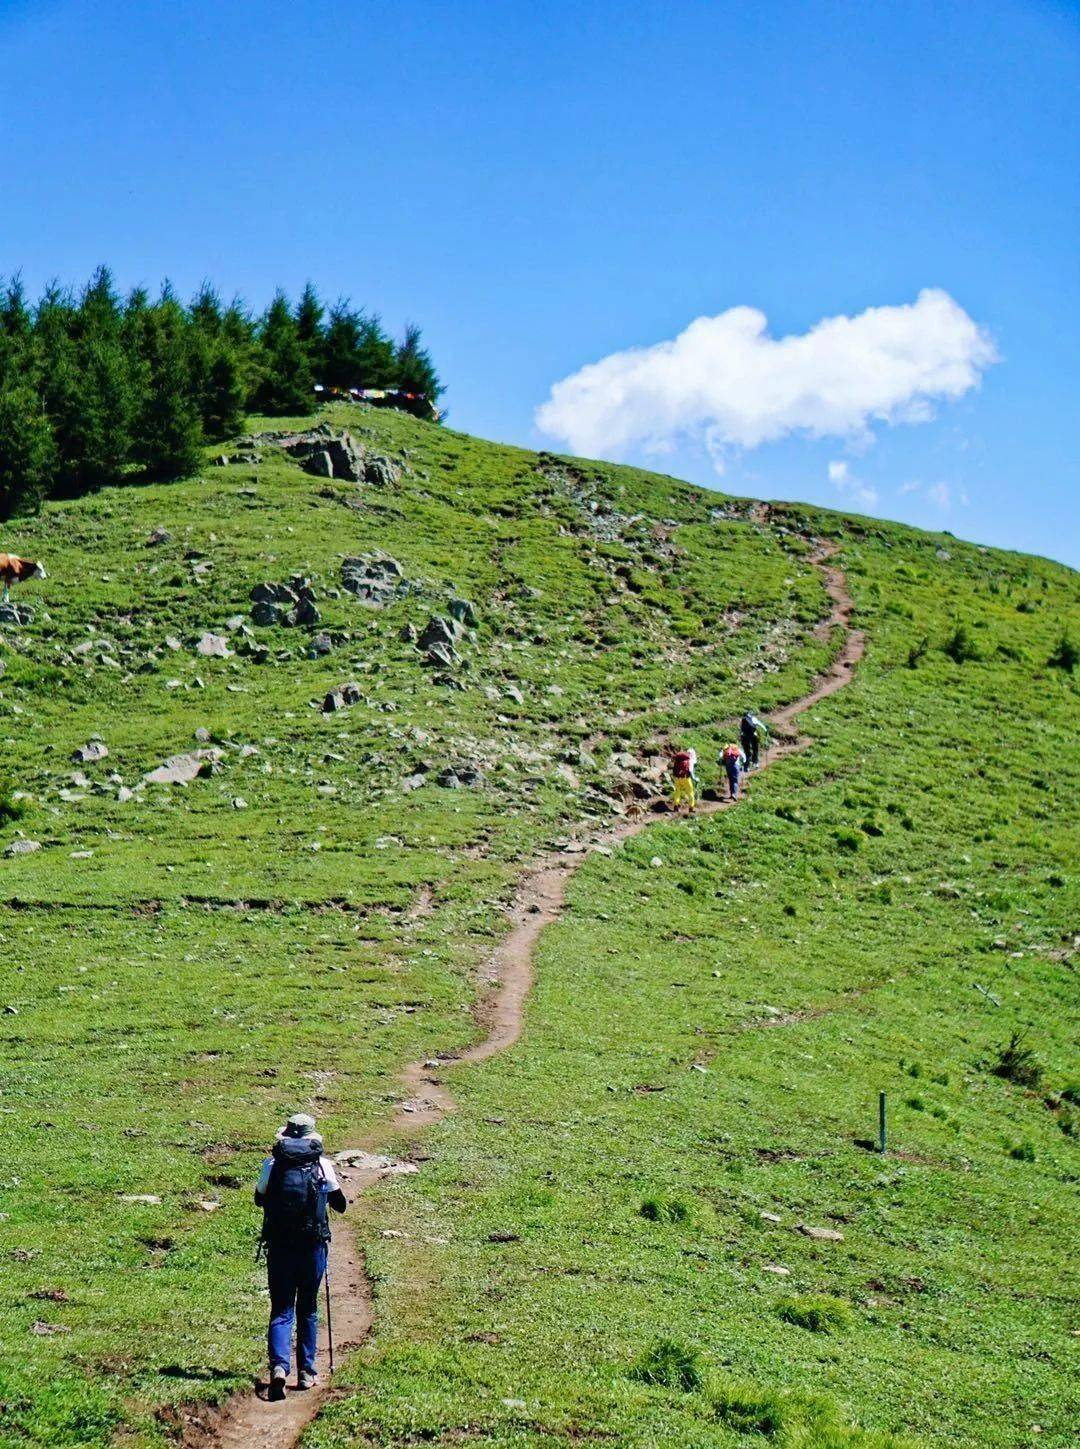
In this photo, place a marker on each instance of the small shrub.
(670, 1364)
(792, 1419)
(10, 808)
(1022, 1152)
(819, 1313)
(849, 839)
(1017, 1062)
(665, 1210)
(960, 646)
(1066, 655)
(916, 1104)
(918, 652)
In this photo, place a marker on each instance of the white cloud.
(941, 495)
(840, 474)
(724, 382)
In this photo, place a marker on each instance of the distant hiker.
(733, 759)
(753, 734)
(14, 570)
(296, 1185)
(684, 773)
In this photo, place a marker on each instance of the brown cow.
(13, 570)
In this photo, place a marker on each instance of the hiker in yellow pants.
(683, 765)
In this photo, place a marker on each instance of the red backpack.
(681, 766)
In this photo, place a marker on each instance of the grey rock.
(374, 578)
(90, 753)
(412, 782)
(234, 622)
(380, 471)
(441, 657)
(158, 537)
(343, 695)
(440, 630)
(408, 634)
(23, 847)
(271, 593)
(322, 644)
(213, 646)
(305, 613)
(263, 612)
(464, 612)
(182, 769)
(15, 614)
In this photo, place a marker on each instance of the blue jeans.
(733, 781)
(294, 1275)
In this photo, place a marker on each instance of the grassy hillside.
(183, 965)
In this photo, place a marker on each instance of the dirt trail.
(248, 1421)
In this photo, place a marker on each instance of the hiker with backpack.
(753, 734)
(733, 760)
(684, 773)
(296, 1186)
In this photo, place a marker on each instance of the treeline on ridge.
(95, 388)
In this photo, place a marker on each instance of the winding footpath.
(249, 1421)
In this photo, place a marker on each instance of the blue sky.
(543, 186)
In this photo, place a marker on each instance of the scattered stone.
(123, 795)
(80, 855)
(23, 847)
(213, 646)
(458, 777)
(264, 613)
(239, 803)
(511, 691)
(182, 769)
(374, 579)
(374, 1162)
(90, 753)
(440, 631)
(208, 1205)
(172, 642)
(271, 593)
(43, 1329)
(322, 644)
(656, 861)
(341, 697)
(408, 634)
(412, 782)
(159, 536)
(234, 622)
(776, 1268)
(15, 614)
(820, 1235)
(305, 613)
(504, 1237)
(143, 1197)
(770, 1217)
(464, 612)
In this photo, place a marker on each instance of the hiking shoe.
(307, 1379)
(277, 1384)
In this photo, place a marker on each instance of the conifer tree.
(169, 431)
(286, 384)
(309, 328)
(27, 448)
(414, 369)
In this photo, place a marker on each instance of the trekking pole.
(329, 1322)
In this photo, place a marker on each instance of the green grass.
(770, 984)
(206, 969)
